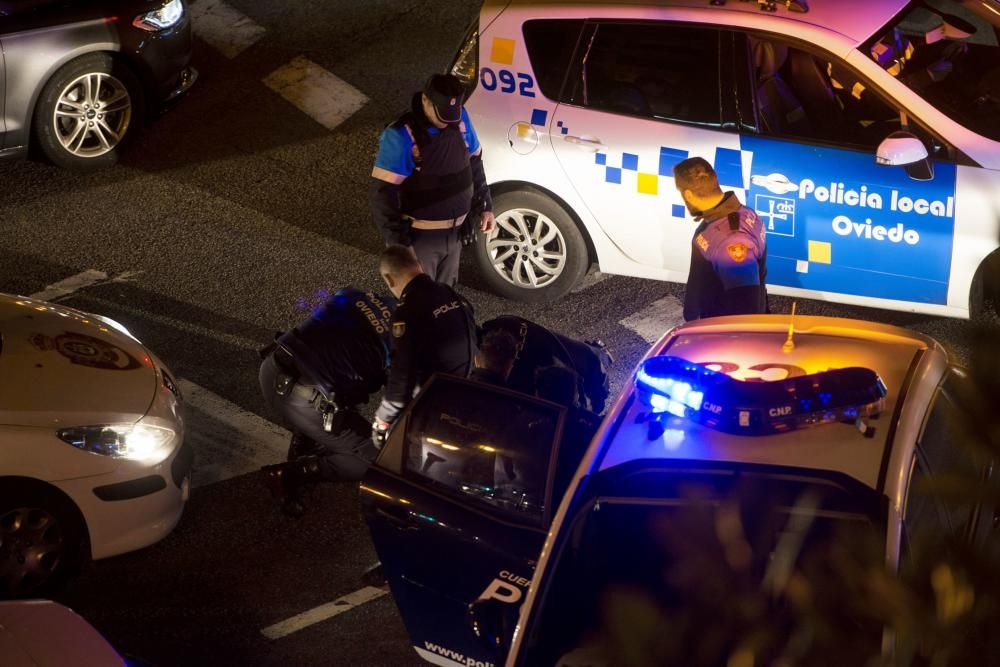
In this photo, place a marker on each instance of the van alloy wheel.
(526, 248)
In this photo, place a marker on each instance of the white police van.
(488, 518)
(865, 132)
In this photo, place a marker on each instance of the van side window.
(652, 70)
(483, 445)
(807, 96)
(550, 45)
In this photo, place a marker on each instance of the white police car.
(92, 455)
(864, 132)
(464, 503)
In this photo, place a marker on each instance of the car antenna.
(789, 343)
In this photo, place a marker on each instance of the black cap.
(445, 92)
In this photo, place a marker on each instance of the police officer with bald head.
(728, 251)
(428, 178)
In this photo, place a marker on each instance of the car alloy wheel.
(526, 248)
(92, 114)
(32, 544)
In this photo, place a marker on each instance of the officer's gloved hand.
(380, 432)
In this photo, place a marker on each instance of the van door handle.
(592, 143)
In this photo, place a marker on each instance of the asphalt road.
(227, 214)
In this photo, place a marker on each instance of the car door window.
(815, 97)
(550, 45)
(652, 70)
(950, 456)
(484, 445)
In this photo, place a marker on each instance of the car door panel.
(838, 222)
(625, 127)
(452, 510)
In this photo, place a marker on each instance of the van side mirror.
(492, 621)
(902, 149)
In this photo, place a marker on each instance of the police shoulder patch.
(737, 251)
(398, 329)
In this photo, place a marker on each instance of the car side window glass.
(652, 70)
(550, 44)
(925, 516)
(807, 96)
(483, 445)
(948, 455)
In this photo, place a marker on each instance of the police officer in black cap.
(315, 377)
(539, 347)
(728, 251)
(428, 180)
(433, 331)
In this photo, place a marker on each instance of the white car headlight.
(160, 19)
(136, 442)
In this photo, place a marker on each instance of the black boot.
(286, 481)
(300, 446)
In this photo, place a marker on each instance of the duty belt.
(286, 363)
(428, 225)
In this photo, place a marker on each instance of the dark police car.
(498, 547)
(77, 77)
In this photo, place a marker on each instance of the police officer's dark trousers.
(345, 453)
(439, 252)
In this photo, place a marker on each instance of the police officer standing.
(428, 177)
(433, 331)
(728, 251)
(315, 377)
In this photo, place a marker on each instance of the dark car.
(77, 77)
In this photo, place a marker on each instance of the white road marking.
(323, 612)
(328, 99)
(228, 440)
(228, 30)
(70, 285)
(180, 325)
(656, 319)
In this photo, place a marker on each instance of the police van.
(866, 133)
(501, 543)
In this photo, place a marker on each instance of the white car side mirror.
(903, 149)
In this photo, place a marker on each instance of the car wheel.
(86, 112)
(536, 253)
(41, 539)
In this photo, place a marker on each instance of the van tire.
(536, 239)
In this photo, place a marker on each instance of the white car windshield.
(948, 52)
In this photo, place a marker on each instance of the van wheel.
(41, 541)
(86, 112)
(536, 253)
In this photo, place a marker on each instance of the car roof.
(855, 19)
(748, 341)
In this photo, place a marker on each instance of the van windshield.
(687, 564)
(947, 52)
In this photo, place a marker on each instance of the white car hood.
(63, 367)
(41, 633)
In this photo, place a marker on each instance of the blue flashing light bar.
(675, 386)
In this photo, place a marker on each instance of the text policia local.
(836, 193)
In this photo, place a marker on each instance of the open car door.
(458, 504)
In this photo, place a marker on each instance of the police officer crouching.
(495, 359)
(428, 181)
(315, 377)
(433, 331)
(728, 251)
(538, 347)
